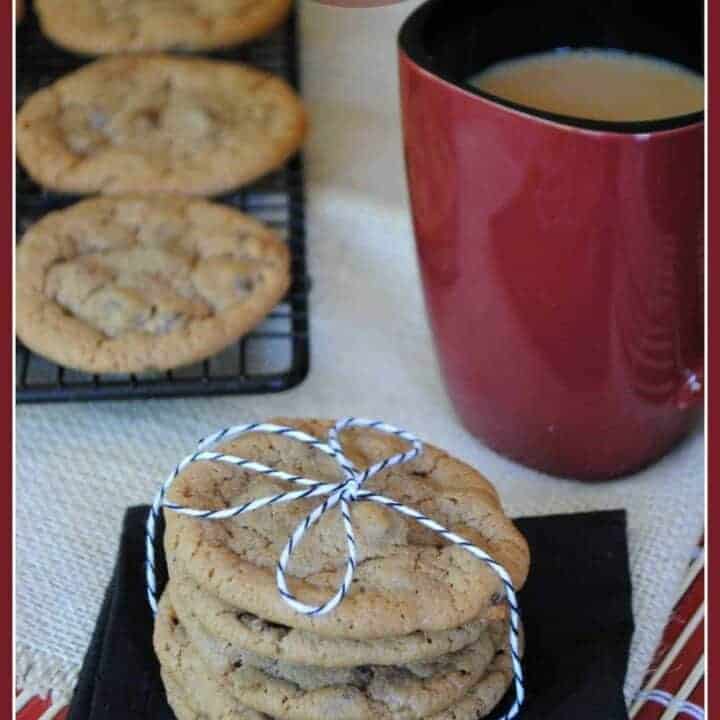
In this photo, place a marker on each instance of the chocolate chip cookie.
(407, 579)
(149, 123)
(134, 283)
(372, 692)
(97, 27)
(400, 694)
(250, 633)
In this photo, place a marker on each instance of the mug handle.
(690, 393)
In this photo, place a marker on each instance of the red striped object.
(675, 684)
(674, 687)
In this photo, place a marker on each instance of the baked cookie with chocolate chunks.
(372, 692)
(134, 283)
(408, 693)
(249, 633)
(97, 27)
(158, 123)
(408, 579)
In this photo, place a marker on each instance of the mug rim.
(409, 42)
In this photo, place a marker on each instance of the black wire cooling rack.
(273, 357)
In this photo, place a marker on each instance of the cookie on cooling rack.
(133, 283)
(147, 123)
(96, 27)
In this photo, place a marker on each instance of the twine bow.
(343, 493)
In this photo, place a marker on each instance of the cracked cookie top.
(158, 123)
(133, 283)
(408, 579)
(97, 27)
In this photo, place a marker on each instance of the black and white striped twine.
(342, 493)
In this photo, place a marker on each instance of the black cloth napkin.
(576, 609)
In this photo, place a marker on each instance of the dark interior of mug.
(457, 39)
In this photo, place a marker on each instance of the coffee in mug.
(600, 84)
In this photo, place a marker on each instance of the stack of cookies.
(423, 632)
(147, 280)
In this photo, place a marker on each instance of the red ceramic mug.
(561, 258)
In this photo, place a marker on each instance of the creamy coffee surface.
(596, 84)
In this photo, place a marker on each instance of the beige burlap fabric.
(79, 466)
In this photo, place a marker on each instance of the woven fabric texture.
(79, 466)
